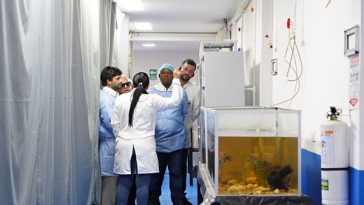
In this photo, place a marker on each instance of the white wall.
(249, 41)
(145, 60)
(121, 42)
(319, 36)
(266, 52)
(256, 41)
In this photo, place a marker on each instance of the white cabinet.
(222, 79)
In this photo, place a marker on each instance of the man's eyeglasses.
(125, 85)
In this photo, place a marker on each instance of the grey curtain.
(107, 27)
(50, 57)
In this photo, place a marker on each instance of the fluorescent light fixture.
(143, 26)
(131, 5)
(148, 44)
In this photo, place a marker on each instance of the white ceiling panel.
(181, 17)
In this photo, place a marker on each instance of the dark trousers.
(184, 168)
(142, 182)
(174, 161)
(125, 193)
(132, 193)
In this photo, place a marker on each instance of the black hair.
(141, 83)
(189, 61)
(108, 73)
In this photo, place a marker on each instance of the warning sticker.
(354, 82)
(327, 147)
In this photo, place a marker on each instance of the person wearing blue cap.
(170, 140)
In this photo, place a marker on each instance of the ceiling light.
(143, 26)
(148, 44)
(131, 5)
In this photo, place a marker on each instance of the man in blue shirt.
(111, 81)
(170, 141)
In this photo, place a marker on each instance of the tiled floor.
(165, 199)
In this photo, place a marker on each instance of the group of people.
(145, 130)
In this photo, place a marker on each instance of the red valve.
(289, 23)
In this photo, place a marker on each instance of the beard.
(185, 77)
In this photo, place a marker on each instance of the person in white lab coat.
(188, 68)
(133, 121)
(125, 88)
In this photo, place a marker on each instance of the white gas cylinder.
(334, 187)
(334, 160)
(334, 145)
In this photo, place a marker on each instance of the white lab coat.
(193, 96)
(141, 134)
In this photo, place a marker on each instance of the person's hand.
(176, 73)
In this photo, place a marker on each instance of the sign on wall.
(153, 74)
(354, 81)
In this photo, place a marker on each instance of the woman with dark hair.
(133, 121)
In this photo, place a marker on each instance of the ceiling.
(181, 23)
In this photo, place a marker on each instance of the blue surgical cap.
(166, 66)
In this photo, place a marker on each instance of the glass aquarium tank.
(251, 151)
